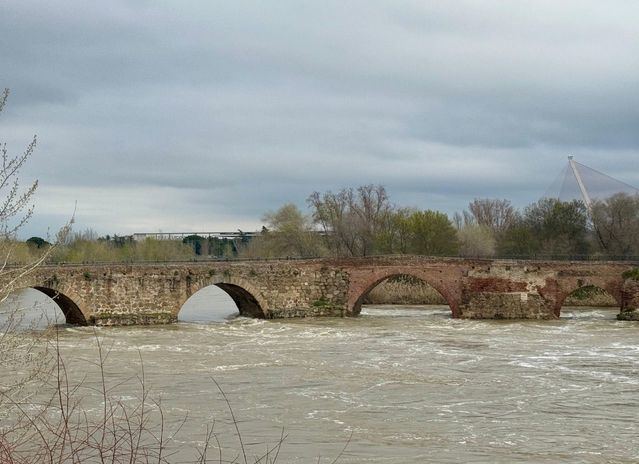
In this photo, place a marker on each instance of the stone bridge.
(145, 293)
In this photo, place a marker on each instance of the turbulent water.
(396, 385)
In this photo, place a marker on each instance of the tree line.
(363, 221)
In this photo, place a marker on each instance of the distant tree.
(494, 214)
(221, 247)
(476, 240)
(396, 236)
(88, 235)
(151, 249)
(617, 223)
(549, 227)
(196, 242)
(38, 242)
(432, 234)
(462, 219)
(518, 240)
(289, 233)
(352, 220)
(122, 240)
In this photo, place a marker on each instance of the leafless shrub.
(42, 411)
(59, 429)
(27, 356)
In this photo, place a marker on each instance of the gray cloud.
(165, 115)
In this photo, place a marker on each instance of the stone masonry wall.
(153, 294)
(630, 307)
(532, 290)
(122, 294)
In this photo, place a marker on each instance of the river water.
(404, 384)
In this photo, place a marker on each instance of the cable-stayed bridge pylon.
(580, 182)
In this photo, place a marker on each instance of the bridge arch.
(71, 305)
(359, 291)
(570, 287)
(248, 299)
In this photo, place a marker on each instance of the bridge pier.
(630, 301)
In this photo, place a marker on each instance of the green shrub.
(321, 303)
(631, 274)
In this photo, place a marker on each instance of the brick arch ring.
(356, 296)
(565, 289)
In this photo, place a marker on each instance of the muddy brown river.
(406, 384)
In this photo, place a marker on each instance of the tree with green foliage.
(37, 242)
(518, 241)
(198, 243)
(616, 220)
(551, 228)
(432, 234)
(395, 237)
(221, 247)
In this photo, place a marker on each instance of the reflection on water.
(411, 385)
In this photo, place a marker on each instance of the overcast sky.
(202, 115)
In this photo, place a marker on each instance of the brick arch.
(74, 310)
(565, 287)
(247, 298)
(446, 286)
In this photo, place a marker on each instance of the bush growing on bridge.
(632, 274)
